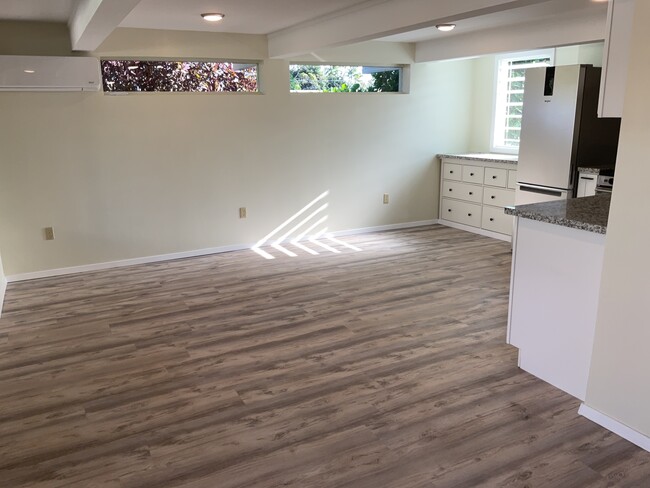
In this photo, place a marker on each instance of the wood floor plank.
(385, 368)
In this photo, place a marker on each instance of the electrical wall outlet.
(242, 212)
(49, 233)
(385, 198)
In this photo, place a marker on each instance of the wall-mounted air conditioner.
(49, 73)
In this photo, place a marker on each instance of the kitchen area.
(552, 202)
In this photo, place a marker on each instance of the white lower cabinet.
(496, 221)
(587, 184)
(554, 290)
(462, 212)
(473, 195)
(462, 191)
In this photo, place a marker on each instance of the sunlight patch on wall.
(302, 230)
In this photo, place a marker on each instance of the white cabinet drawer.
(452, 171)
(461, 212)
(462, 191)
(473, 174)
(498, 197)
(512, 179)
(496, 177)
(496, 221)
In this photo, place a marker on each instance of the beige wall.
(484, 88)
(3, 285)
(132, 176)
(619, 381)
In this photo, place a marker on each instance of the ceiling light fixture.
(446, 27)
(213, 17)
(29, 71)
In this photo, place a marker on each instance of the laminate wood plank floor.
(380, 368)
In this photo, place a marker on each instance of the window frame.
(497, 92)
(404, 77)
(256, 62)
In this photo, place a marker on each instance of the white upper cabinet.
(616, 58)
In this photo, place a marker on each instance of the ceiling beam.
(379, 18)
(552, 32)
(94, 20)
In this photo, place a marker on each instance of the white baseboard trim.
(381, 228)
(48, 273)
(628, 433)
(476, 230)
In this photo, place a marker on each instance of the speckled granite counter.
(588, 213)
(487, 157)
(592, 171)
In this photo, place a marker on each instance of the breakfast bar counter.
(588, 213)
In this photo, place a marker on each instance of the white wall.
(484, 87)
(3, 286)
(619, 381)
(122, 177)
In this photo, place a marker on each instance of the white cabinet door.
(616, 58)
(587, 184)
(554, 301)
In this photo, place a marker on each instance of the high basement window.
(178, 76)
(509, 101)
(323, 78)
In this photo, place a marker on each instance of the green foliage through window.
(338, 78)
(178, 76)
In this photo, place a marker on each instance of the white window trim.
(510, 56)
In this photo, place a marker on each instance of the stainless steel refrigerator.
(561, 131)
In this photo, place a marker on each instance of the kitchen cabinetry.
(587, 184)
(616, 57)
(554, 293)
(474, 193)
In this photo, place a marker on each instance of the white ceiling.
(298, 26)
(537, 12)
(36, 10)
(242, 16)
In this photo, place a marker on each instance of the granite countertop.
(487, 157)
(592, 171)
(587, 213)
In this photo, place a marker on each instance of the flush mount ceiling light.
(29, 71)
(446, 27)
(213, 17)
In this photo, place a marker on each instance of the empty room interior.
(342, 244)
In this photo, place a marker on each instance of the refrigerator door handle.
(540, 190)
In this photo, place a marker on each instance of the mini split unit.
(49, 73)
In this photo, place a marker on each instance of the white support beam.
(553, 32)
(94, 20)
(375, 19)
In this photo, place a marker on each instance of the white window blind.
(511, 71)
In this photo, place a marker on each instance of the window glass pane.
(511, 73)
(337, 78)
(178, 76)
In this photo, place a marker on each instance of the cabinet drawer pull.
(451, 189)
(471, 193)
(493, 197)
(494, 177)
(491, 220)
(451, 171)
(469, 214)
(471, 174)
(448, 210)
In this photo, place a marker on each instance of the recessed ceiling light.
(29, 71)
(446, 27)
(213, 17)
